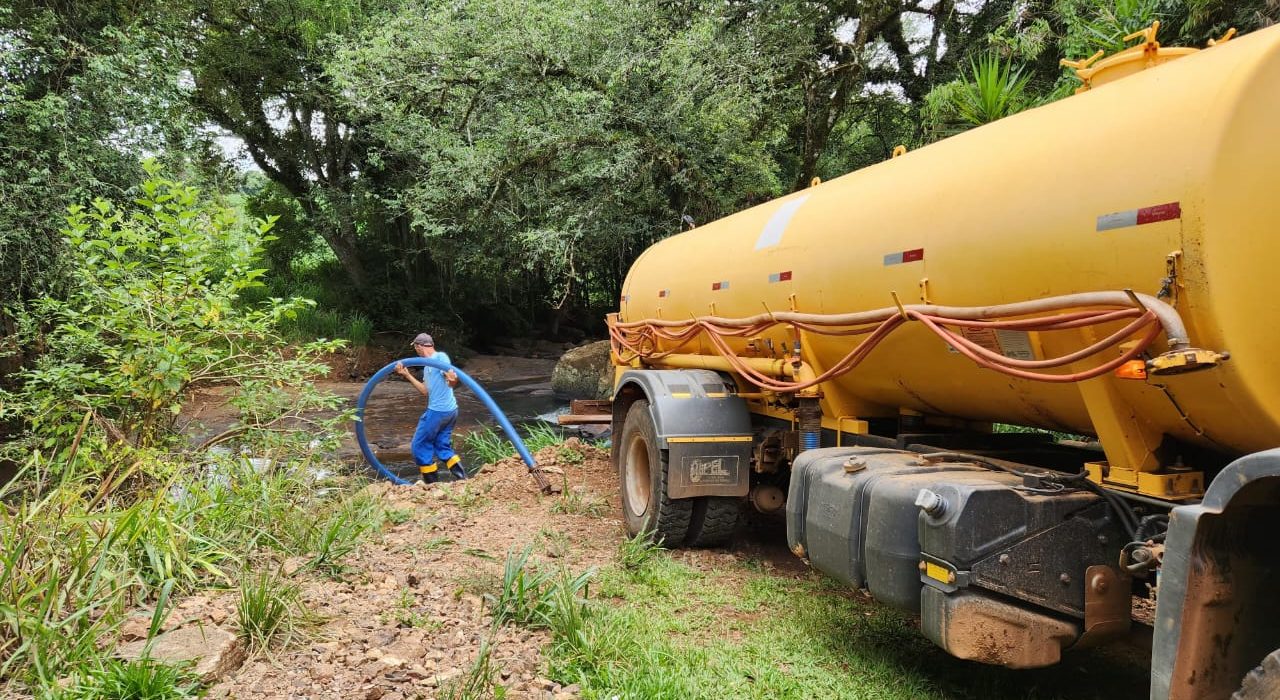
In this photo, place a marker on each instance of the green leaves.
(542, 145)
(153, 311)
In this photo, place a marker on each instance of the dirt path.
(408, 614)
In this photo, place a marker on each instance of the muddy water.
(521, 386)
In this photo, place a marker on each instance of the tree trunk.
(340, 235)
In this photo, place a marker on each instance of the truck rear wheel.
(642, 474)
(1263, 682)
(713, 520)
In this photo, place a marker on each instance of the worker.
(431, 441)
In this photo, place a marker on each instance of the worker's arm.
(404, 372)
(451, 378)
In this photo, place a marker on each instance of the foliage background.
(490, 169)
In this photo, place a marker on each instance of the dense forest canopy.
(490, 168)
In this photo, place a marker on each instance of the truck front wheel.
(642, 473)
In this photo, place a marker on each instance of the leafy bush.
(151, 314)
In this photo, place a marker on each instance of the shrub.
(151, 314)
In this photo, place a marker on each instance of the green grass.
(542, 435)
(329, 535)
(534, 596)
(635, 552)
(575, 501)
(480, 682)
(270, 612)
(407, 614)
(555, 543)
(489, 445)
(659, 628)
(313, 322)
(144, 679)
(466, 496)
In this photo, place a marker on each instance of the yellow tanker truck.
(849, 353)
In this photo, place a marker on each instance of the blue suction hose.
(471, 384)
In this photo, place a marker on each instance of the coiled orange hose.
(641, 338)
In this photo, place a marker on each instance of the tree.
(542, 145)
(260, 73)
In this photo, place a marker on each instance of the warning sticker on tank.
(1137, 217)
(1012, 344)
(1015, 344)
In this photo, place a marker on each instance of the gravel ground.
(407, 615)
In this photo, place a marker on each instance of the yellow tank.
(1164, 172)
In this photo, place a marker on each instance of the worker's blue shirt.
(439, 393)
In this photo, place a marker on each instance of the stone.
(584, 372)
(135, 627)
(214, 651)
(293, 565)
(393, 661)
(441, 678)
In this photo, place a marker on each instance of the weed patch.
(143, 679)
(578, 501)
(270, 612)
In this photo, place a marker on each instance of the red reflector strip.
(663, 293)
(1160, 212)
(717, 286)
(780, 277)
(1138, 217)
(905, 256)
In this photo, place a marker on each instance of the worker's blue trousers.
(432, 444)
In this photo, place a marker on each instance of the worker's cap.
(424, 339)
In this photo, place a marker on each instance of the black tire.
(642, 478)
(713, 521)
(1263, 682)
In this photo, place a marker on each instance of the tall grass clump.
(532, 596)
(488, 445)
(143, 679)
(270, 612)
(311, 323)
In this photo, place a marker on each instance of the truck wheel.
(713, 520)
(1263, 682)
(642, 474)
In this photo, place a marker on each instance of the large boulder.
(584, 372)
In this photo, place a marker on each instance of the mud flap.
(704, 426)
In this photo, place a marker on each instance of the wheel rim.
(636, 476)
